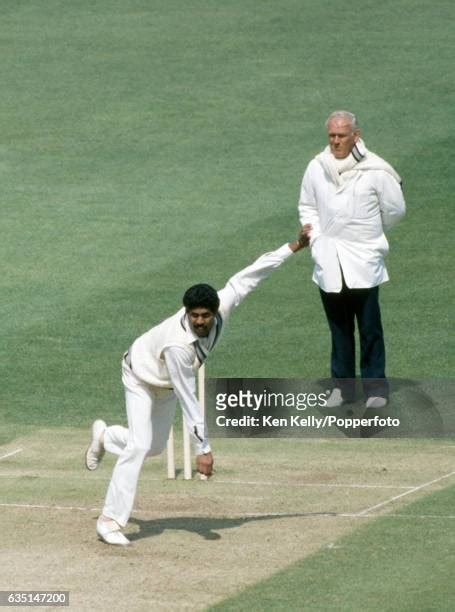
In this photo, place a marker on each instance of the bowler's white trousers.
(150, 411)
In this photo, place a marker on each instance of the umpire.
(351, 196)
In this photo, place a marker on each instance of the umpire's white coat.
(349, 213)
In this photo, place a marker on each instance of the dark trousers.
(342, 309)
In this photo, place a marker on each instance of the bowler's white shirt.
(348, 225)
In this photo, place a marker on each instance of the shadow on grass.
(205, 527)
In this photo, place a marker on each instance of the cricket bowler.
(160, 368)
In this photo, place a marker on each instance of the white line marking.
(277, 484)
(169, 515)
(312, 484)
(392, 499)
(45, 507)
(362, 514)
(421, 516)
(51, 476)
(14, 452)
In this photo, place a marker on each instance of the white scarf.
(342, 171)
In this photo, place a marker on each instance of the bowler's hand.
(303, 240)
(204, 464)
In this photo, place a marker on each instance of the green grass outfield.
(403, 562)
(148, 145)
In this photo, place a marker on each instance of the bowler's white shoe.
(376, 402)
(95, 451)
(110, 532)
(335, 399)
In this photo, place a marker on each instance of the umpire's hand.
(204, 464)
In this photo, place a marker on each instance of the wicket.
(187, 469)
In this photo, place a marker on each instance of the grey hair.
(341, 114)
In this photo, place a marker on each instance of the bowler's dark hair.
(201, 296)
